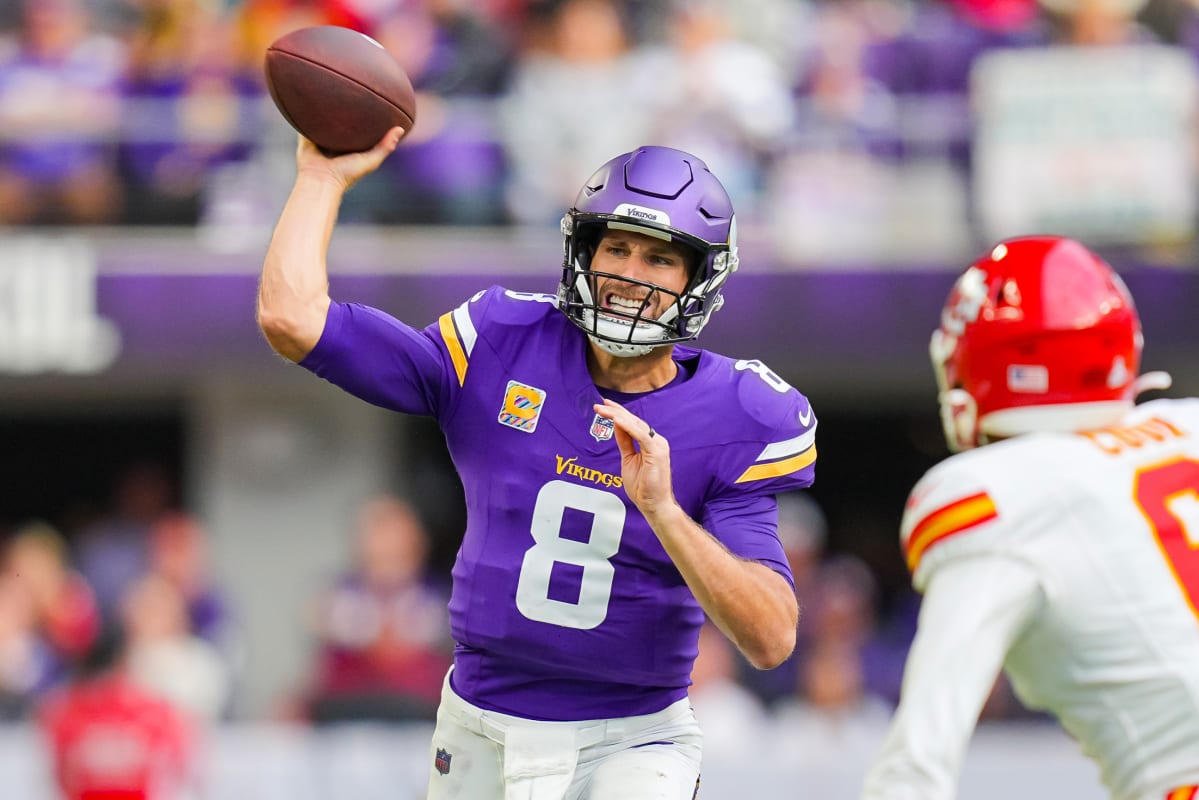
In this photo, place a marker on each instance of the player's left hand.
(644, 460)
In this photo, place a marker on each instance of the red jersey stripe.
(946, 521)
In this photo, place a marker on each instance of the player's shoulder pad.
(764, 397)
(775, 418)
(484, 316)
(497, 306)
(946, 511)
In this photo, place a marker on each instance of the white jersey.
(1071, 561)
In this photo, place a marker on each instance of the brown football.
(338, 87)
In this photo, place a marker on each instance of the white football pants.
(484, 755)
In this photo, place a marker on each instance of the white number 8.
(595, 587)
(765, 373)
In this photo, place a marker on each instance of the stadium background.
(873, 147)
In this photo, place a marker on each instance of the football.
(338, 87)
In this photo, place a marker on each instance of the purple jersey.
(565, 605)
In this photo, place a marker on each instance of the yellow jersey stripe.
(760, 472)
(946, 521)
(1184, 793)
(446, 323)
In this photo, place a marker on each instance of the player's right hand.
(349, 168)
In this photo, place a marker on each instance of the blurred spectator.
(832, 713)
(732, 716)
(164, 656)
(189, 110)
(28, 667)
(803, 531)
(580, 94)
(63, 606)
(110, 738)
(58, 112)
(178, 553)
(1098, 22)
(257, 23)
(113, 551)
(722, 98)
(382, 628)
(451, 168)
(845, 612)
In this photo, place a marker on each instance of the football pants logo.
(442, 761)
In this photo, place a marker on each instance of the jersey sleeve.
(951, 513)
(748, 527)
(379, 359)
(972, 611)
(775, 452)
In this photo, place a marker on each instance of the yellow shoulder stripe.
(760, 472)
(450, 334)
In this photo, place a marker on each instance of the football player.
(619, 483)
(1066, 550)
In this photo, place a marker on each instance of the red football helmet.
(1039, 334)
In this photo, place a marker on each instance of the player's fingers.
(305, 148)
(369, 160)
(610, 410)
(632, 424)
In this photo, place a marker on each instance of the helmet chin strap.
(621, 349)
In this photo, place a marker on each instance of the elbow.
(772, 651)
(292, 330)
(773, 639)
(773, 644)
(280, 332)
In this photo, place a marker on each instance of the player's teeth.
(620, 302)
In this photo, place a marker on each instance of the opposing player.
(619, 484)
(1065, 551)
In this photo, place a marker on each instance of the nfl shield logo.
(442, 761)
(601, 428)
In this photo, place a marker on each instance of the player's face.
(640, 258)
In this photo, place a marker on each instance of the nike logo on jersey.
(805, 417)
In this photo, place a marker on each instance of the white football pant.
(484, 755)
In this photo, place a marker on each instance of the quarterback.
(620, 484)
(1066, 550)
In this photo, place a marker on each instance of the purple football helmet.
(662, 192)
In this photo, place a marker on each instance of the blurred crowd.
(137, 583)
(114, 622)
(813, 112)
